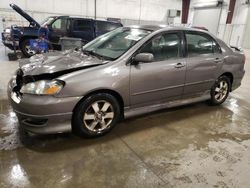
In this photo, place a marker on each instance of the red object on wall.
(185, 11)
(231, 11)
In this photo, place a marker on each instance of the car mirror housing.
(144, 57)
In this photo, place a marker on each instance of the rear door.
(204, 60)
(83, 28)
(163, 79)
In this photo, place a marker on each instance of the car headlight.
(43, 87)
(7, 30)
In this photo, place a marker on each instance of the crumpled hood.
(58, 62)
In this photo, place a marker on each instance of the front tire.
(26, 49)
(220, 90)
(96, 115)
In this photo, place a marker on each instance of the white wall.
(130, 11)
(246, 42)
(239, 22)
(223, 12)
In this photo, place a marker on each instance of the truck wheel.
(96, 115)
(25, 48)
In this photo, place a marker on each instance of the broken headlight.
(43, 87)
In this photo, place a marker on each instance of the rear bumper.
(43, 114)
(237, 80)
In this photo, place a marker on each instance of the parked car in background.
(128, 71)
(58, 26)
(200, 27)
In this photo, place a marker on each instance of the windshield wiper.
(86, 52)
(99, 56)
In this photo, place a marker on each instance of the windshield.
(115, 43)
(47, 21)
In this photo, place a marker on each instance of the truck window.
(106, 26)
(82, 25)
(60, 24)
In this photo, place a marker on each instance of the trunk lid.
(239, 52)
(236, 49)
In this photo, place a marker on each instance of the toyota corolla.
(126, 72)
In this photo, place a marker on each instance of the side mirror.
(144, 57)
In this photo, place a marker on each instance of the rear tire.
(96, 115)
(220, 90)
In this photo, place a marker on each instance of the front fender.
(83, 82)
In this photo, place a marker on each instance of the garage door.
(246, 43)
(207, 17)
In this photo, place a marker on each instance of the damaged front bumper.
(42, 114)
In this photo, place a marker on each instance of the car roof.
(84, 18)
(166, 27)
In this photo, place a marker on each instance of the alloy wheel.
(29, 50)
(221, 90)
(98, 116)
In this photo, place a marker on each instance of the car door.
(83, 28)
(204, 60)
(163, 79)
(58, 29)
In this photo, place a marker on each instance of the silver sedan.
(126, 72)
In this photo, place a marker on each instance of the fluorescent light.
(206, 4)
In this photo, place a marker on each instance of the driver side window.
(59, 24)
(163, 47)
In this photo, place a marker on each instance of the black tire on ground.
(85, 108)
(220, 90)
(23, 48)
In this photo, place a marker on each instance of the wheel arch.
(230, 76)
(26, 37)
(107, 91)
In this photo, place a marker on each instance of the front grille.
(35, 122)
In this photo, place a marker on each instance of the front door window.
(59, 24)
(164, 47)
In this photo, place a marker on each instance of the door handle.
(217, 60)
(179, 65)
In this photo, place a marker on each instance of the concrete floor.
(191, 146)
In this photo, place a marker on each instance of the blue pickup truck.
(58, 26)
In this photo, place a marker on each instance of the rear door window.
(82, 25)
(200, 44)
